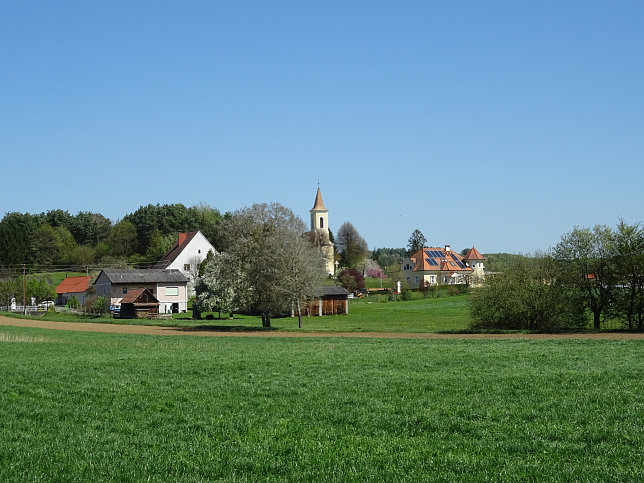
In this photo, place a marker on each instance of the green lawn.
(92, 407)
(373, 313)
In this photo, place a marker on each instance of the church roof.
(319, 204)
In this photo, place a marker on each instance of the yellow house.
(442, 266)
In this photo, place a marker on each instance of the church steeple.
(319, 215)
(320, 230)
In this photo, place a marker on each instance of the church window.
(321, 222)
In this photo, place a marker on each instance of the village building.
(139, 303)
(328, 301)
(186, 255)
(73, 287)
(320, 232)
(442, 266)
(169, 287)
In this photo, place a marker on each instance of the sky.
(495, 124)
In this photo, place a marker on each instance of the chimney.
(447, 248)
(182, 238)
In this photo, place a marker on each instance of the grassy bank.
(83, 406)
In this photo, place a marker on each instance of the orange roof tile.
(473, 254)
(74, 285)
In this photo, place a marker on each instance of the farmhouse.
(435, 266)
(72, 287)
(169, 287)
(186, 255)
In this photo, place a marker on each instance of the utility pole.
(24, 289)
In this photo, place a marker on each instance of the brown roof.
(473, 254)
(319, 204)
(74, 285)
(139, 295)
(177, 248)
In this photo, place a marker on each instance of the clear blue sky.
(499, 124)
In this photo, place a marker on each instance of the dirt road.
(156, 330)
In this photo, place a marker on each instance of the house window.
(186, 267)
(172, 291)
(124, 290)
(432, 279)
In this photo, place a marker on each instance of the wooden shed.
(139, 303)
(329, 301)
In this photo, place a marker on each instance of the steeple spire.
(319, 204)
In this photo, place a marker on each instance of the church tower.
(320, 230)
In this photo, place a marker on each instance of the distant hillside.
(498, 262)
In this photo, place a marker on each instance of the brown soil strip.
(156, 330)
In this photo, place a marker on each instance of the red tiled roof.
(438, 259)
(473, 254)
(74, 285)
(135, 294)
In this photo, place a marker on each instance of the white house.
(169, 287)
(186, 255)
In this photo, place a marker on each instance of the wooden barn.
(328, 301)
(139, 303)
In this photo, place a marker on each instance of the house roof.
(334, 290)
(438, 260)
(150, 275)
(473, 254)
(74, 285)
(182, 241)
(139, 296)
(319, 204)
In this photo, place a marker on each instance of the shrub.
(72, 303)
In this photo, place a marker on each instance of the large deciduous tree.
(586, 259)
(629, 265)
(352, 247)
(266, 260)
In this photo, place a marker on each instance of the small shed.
(72, 287)
(329, 301)
(139, 303)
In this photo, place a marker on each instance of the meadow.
(373, 313)
(91, 406)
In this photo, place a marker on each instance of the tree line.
(58, 238)
(592, 275)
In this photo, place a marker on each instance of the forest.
(56, 239)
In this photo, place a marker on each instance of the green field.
(373, 313)
(88, 406)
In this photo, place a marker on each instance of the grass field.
(373, 313)
(87, 406)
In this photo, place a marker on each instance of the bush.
(72, 303)
(406, 295)
(526, 296)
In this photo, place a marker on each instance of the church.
(320, 232)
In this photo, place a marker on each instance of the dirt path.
(156, 330)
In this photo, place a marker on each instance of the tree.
(528, 295)
(351, 279)
(123, 238)
(353, 248)
(45, 247)
(416, 242)
(586, 264)
(629, 264)
(266, 256)
(220, 287)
